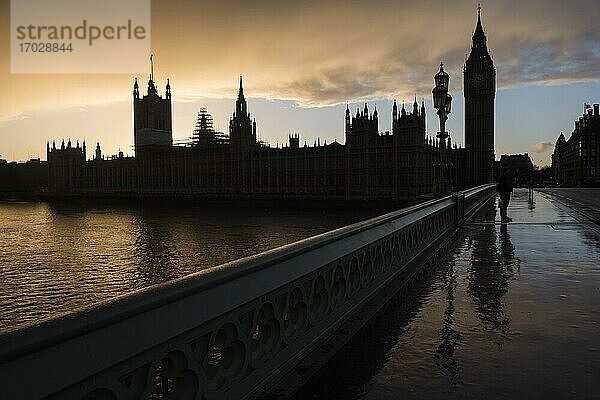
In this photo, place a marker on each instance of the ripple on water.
(57, 258)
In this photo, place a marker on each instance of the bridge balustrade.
(230, 331)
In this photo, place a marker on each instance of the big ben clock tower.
(480, 92)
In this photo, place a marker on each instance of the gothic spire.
(241, 101)
(479, 39)
(136, 89)
(241, 91)
(151, 86)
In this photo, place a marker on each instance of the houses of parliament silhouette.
(370, 165)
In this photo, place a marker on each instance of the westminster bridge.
(292, 321)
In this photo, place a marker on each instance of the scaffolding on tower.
(204, 131)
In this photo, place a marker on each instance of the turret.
(294, 141)
(136, 89)
(347, 118)
(409, 129)
(152, 116)
(151, 87)
(394, 111)
(363, 129)
(240, 104)
(242, 128)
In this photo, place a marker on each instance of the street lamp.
(442, 102)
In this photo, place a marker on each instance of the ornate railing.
(230, 331)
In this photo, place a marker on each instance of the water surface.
(55, 258)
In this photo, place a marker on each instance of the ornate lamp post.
(442, 102)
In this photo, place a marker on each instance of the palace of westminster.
(370, 165)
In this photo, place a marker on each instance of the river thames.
(55, 258)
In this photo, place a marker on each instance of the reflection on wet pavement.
(512, 312)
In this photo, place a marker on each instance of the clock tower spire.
(480, 92)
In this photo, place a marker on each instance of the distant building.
(576, 161)
(396, 165)
(152, 124)
(393, 165)
(25, 178)
(521, 164)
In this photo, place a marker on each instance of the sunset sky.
(303, 61)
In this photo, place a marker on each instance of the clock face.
(477, 80)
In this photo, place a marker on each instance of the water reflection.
(62, 256)
(156, 254)
(491, 267)
(481, 327)
(376, 347)
(449, 336)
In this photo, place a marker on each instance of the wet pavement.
(512, 312)
(585, 200)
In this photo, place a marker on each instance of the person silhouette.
(505, 188)
(530, 200)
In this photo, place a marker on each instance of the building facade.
(576, 161)
(520, 164)
(393, 165)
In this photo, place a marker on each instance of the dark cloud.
(334, 51)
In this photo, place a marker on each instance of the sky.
(302, 62)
